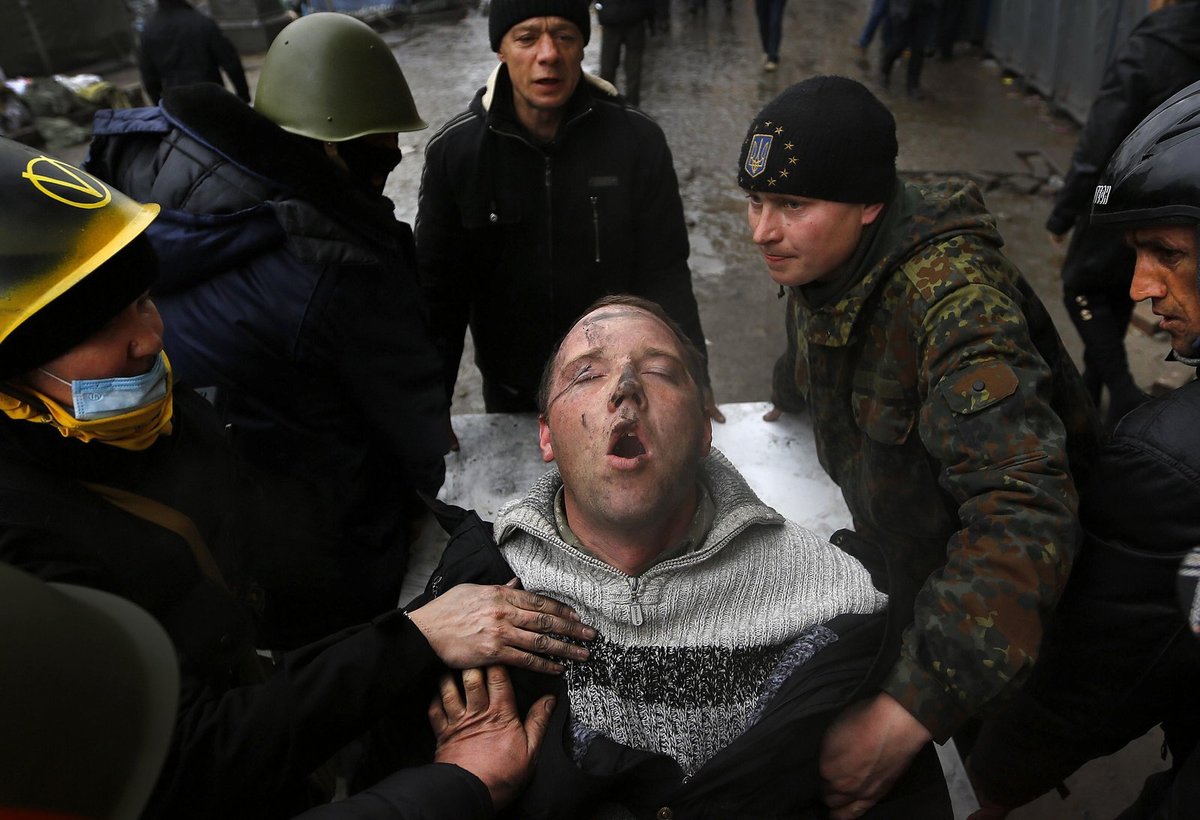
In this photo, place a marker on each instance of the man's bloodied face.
(624, 421)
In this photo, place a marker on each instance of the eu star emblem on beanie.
(504, 14)
(823, 138)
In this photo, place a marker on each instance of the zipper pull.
(635, 606)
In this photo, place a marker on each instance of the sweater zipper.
(596, 228)
(636, 616)
(635, 606)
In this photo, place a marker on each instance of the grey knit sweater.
(692, 649)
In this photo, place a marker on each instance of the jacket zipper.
(549, 225)
(596, 228)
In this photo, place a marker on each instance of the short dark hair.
(693, 359)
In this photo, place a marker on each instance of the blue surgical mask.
(103, 398)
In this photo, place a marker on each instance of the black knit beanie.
(504, 14)
(824, 138)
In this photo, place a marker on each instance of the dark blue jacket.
(293, 290)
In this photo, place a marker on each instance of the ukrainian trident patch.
(756, 157)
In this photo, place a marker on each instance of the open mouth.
(625, 443)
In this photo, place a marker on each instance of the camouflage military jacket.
(944, 406)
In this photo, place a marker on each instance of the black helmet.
(1154, 176)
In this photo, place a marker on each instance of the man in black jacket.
(623, 27)
(180, 46)
(111, 477)
(1161, 56)
(1120, 657)
(912, 26)
(545, 194)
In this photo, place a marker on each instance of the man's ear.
(706, 437)
(871, 212)
(544, 442)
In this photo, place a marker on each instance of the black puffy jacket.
(294, 291)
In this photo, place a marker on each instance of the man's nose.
(1146, 283)
(628, 389)
(766, 228)
(547, 49)
(147, 335)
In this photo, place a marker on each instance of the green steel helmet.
(72, 255)
(330, 77)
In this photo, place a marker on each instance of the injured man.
(729, 637)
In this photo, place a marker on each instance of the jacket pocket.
(979, 388)
(490, 214)
(884, 418)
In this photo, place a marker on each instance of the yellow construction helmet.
(59, 226)
(331, 77)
